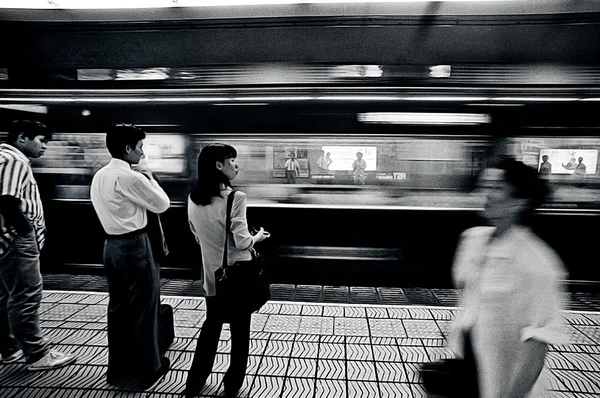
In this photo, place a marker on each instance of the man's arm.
(145, 191)
(10, 207)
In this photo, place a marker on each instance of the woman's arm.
(239, 224)
(527, 372)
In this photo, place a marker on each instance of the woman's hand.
(261, 235)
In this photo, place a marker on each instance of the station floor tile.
(297, 350)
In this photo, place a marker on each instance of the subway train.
(398, 225)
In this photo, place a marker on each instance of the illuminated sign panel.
(568, 161)
(343, 156)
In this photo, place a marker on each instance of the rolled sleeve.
(546, 323)
(239, 224)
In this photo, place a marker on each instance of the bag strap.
(230, 198)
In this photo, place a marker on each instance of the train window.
(400, 170)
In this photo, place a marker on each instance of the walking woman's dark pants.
(134, 289)
(206, 349)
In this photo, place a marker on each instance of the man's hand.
(10, 207)
(140, 168)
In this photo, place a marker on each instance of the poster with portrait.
(568, 161)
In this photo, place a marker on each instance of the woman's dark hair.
(525, 182)
(209, 177)
(121, 135)
(29, 128)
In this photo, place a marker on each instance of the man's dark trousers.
(134, 289)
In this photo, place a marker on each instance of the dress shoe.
(147, 382)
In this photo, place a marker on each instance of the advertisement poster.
(165, 153)
(568, 161)
(343, 156)
(282, 154)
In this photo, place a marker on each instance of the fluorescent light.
(358, 98)
(423, 118)
(190, 99)
(26, 108)
(274, 98)
(119, 4)
(446, 98)
(536, 99)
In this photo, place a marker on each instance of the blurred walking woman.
(207, 206)
(511, 302)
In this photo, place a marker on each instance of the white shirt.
(208, 225)
(292, 165)
(511, 293)
(121, 197)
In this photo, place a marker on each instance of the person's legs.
(8, 343)
(120, 329)
(240, 344)
(22, 280)
(471, 375)
(144, 298)
(206, 348)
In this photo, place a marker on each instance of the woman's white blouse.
(208, 226)
(511, 293)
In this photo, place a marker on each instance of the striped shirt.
(16, 179)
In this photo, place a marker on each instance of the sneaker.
(52, 360)
(14, 357)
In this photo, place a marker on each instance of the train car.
(429, 93)
(398, 226)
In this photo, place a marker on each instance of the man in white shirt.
(324, 161)
(292, 169)
(121, 196)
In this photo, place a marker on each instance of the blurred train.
(398, 229)
(429, 92)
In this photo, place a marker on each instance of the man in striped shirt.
(21, 239)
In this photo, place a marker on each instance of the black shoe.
(117, 377)
(149, 381)
(194, 383)
(191, 392)
(231, 392)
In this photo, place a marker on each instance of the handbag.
(243, 286)
(452, 377)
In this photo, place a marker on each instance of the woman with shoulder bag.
(207, 213)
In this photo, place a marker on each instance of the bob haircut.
(121, 135)
(209, 177)
(524, 183)
(29, 129)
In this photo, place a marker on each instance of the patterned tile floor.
(298, 349)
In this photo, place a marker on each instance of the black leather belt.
(127, 234)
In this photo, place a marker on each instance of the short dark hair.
(209, 177)
(121, 135)
(524, 182)
(29, 128)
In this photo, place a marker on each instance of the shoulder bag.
(242, 287)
